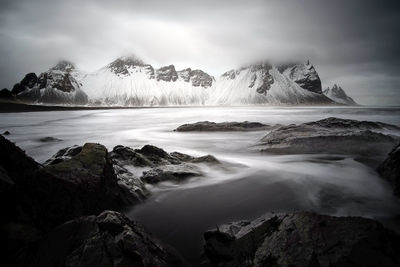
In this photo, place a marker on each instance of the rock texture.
(390, 169)
(208, 126)
(331, 135)
(109, 239)
(303, 239)
(158, 165)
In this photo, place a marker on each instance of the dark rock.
(80, 181)
(304, 74)
(167, 73)
(49, 139)
(332, 135)
(6, 133)
(5, 93)
(109, 239)
(207, 126)
(64, 154)
(303, 239)
(390, 169)
(176, 173)
(197, 77)
(163, 166)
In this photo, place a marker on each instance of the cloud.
(349, 42)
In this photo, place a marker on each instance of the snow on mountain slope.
(55, 86)
(337, 94)
(262, 84)
(304, 74)
(129, 82)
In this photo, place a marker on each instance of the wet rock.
(49, 139)
(390, 169)
(176, 173)
(161, 165)
(109, 239)
(331, 135)
(84, 183)
(303, 239)
(208, 126)
(6, 133)
(64, 154)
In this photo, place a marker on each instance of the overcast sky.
(354, 43)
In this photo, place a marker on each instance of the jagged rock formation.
(304, 74)
(268, 84)
(302, 239)
(55, 86)
(207, 126)
(331, 135)
(390, 169)
(337, 94)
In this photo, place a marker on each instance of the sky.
(354, 43)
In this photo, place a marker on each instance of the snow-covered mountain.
(265, 83)
(337, 94)
(128, 81)
(55, 86)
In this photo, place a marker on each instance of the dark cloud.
(355, 43)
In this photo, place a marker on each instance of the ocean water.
(247, 184)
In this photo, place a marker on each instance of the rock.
(303, 239)
(109, 239)
(6, 133)
(167, 74)
(49, 139)
(176, 173)
(197, 77)
(5, 93)
(163, 166)
(207, 126)
(331, 135)
(390, 169)
(64, 154)
(80, 181)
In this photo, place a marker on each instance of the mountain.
(128, 81)
(296, 83)
(337, 94)
(55, 86)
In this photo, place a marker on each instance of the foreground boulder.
(332, 135)
(303, 239)
(109, 239)
(208, 126)
(390, 169)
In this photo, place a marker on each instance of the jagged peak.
(128, 60)
(64, 65)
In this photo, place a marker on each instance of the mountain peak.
(64, 65)
(121, 64)
(337, 94)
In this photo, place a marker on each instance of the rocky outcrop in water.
(331, 135)
(208, 126)
(390, 169)
(302, 239)
(109, 239)
(159, 165)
